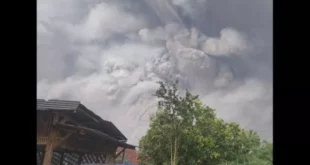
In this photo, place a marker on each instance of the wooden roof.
(97, 133)
(93, 121)
(57, 105)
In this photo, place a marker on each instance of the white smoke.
(230, 42)
(110, 57)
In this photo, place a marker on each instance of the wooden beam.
(62, 139)
(49, 147)
(119, 153)
(123, 155)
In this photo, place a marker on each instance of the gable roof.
(66, 105)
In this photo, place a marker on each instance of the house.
(69, 133)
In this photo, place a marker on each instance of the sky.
(109, 54)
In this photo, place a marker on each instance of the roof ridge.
(57, 100)
(63, 100)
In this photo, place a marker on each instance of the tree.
(184, 131)
(177, 113)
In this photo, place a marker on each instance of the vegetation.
(261, 155)
(184, 131)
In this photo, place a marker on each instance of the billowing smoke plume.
(110, 54)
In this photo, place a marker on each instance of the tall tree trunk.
(171, 153)
(172, 139)
(175, 150)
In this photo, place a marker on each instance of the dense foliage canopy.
(184, 131)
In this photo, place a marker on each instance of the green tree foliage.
(261, 155)
(184, 131)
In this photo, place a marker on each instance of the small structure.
(70, 134)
